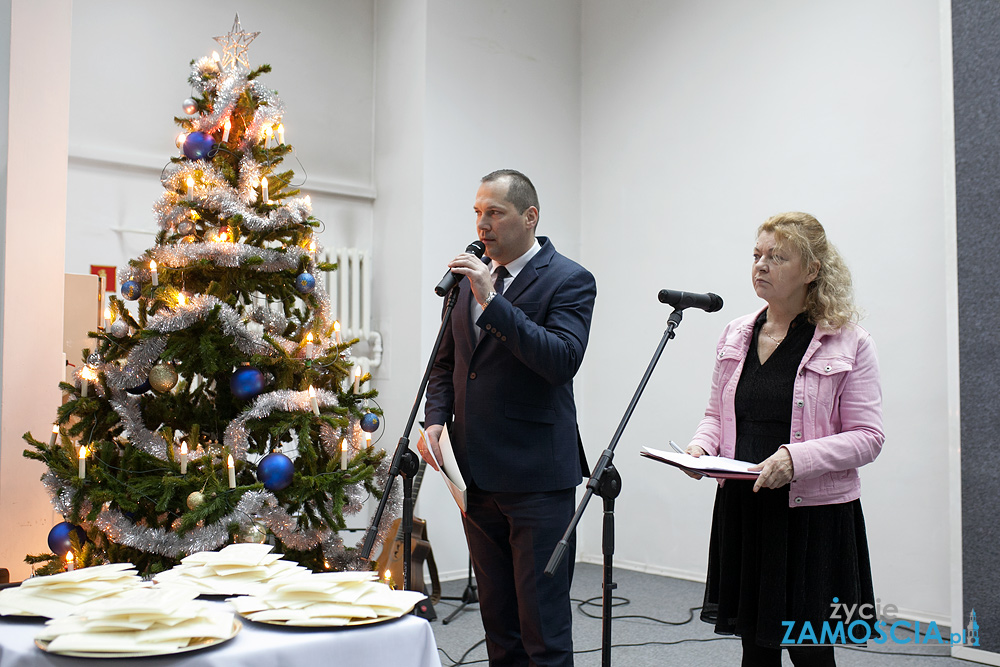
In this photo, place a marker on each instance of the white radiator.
(350, 290)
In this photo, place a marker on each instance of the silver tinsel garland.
(253, 507)
(237, 435)
(214, 193)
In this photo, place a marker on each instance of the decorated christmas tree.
(218, 403)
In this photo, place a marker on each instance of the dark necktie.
(501, 273)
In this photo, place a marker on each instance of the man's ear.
(531, 217)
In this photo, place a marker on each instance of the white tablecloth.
(406, 642)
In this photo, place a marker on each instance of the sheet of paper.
(449, 469)
(706, 463)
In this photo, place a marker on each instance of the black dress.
(767, 562)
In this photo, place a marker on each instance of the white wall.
(701, 120)
(502, 90)
(35, 40)
(128, 86)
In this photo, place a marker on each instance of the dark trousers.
(527, 615)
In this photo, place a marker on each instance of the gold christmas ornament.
(162, 377)
(255, 533)
(195, 500)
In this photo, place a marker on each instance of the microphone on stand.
(681, 300)
(451, 279)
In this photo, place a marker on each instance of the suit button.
(472, 375)
(498, 334)
(503, 338)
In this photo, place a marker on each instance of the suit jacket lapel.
(529, 274)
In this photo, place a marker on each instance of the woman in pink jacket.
(796, 390)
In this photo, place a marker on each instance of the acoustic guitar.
(391, 557)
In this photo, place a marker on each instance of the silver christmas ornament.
(190, 106)
(118, 328)
(185, 227)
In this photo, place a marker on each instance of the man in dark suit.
(503, 382)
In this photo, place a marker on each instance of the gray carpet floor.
(637, 641)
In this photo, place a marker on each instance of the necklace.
(777, 341)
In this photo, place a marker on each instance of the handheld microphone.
(681, 300)
(451, 279)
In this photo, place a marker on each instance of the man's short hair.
(520, 192)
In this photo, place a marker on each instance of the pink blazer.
(836, 410)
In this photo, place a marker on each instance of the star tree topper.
(235, 45)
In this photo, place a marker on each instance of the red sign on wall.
(108, 272)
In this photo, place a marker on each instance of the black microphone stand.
(405, 462)
(607, 483)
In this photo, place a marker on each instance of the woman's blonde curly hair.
(830, 297)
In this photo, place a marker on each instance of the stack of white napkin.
(60, 594)
(238, 569)
(326, 599)
(141, 621)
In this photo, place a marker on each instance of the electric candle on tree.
(152, 270)
(184, 458)
(232, 472)
(343, 454)
(55, 434)
(82, 455)
(313, 401)
(70, 563)
(357, 379)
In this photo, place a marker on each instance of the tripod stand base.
(469, 596)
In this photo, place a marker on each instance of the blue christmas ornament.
(198, 146)
(59, 537)
(275, 471)
(246, 383)
(131, 290)
(141, 389)
(305, 283)
(369, 423)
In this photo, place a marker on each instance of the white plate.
(350, 624)
(206, 642)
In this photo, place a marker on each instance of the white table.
(406, 642)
